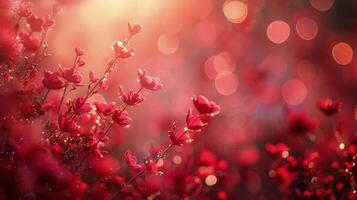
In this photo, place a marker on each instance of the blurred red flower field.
(185, 99)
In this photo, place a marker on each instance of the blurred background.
(258, 59)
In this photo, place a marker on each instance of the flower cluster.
(56, 148)
(320, 173)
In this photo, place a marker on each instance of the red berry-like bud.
(36, 23)
(53, 80)
(329, 107)
(204, 106)
(130, 159)
(149, 82)
(194, 122)
(121, 118)
(133, 30)
(130, 98)
(79, 51)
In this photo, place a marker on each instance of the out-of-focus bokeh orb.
(342, 53)
(293, 92)
(235, 11)
(211, 180)
(306, 28)
(278, 31)
(224, 63)
(226, 84)
(322, 5)
(168, 44)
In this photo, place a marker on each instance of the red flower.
(92, 77)
(130, 159)
(31, 43)
(36, 23)
(179, 137)
(94, 147)
(194, 122)
(79, 51)
(299, 123)
(105, 108)
(81, 62)
(71, 75)
(130, 98)
(204, 106)
(149, 82)
(133, 30)
(80, 106)
(67, 125)
(329, 107)
(121, 118)
(53, 80)
(121, 51)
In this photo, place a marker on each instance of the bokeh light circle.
(306, 28)
(235, 11)
(294, 92)
(321, 5)
(226, 84)
(168, 44)
(342, 53)
(211, 180)
(224, 63)
(209, 69)
(278, 31)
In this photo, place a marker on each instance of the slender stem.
(61, 102)
(75, 61)
(17, 24)
(110, 65)
(121, 111)
(45, 96)
(160, 156)
(34, 60)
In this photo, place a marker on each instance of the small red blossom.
(130, 159)
(94, 147)
(329, 107)
(36, 23)
(79, 51)
(194, 122)
(298, 123)
(53, 80)
(149, 82)
(122, 51)
(81, 62)
(179, 137)
(80, 106)
(67, 125)
(133, 30)
(71, 75)
(121, 118)
(130, 98)
(92, 77)
(105, 108)
(204, 106)
(31, 43)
